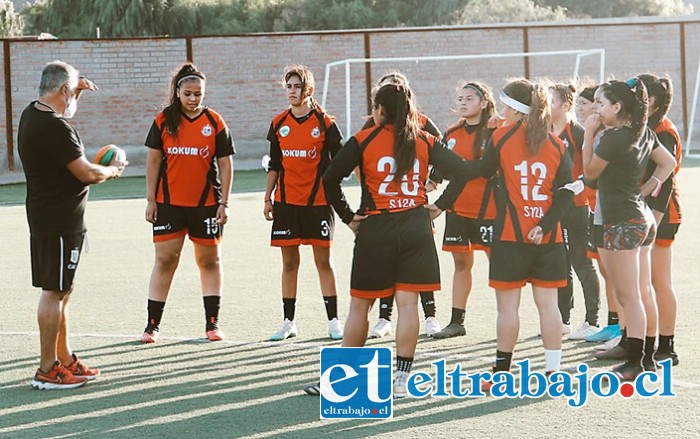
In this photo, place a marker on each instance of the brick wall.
(244, 71)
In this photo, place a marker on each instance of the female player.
(394, 248)
(386, 304)
(528, 246)
(618, 163)
(667, 203)
(575, 221)
(303, 139)
(469, 225)
(189, 174)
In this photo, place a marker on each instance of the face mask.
(71, 108)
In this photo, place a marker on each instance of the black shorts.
(394, 251)
(309, 225)
(197, 222)
(666, 234)
(513, 264)
(463, 235)
(55, 261)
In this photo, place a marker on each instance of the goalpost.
(417, 59)
(691, 123)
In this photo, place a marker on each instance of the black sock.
(404, 364)
(331, 306)
(386, 306)
(427, 298)
(649, 343)
(458, 316)
(613, 318)
(155, 312)
(289, 306)
(635, 351)
(665, 343)
(503, 360)
(211, 309)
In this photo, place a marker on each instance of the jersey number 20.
(391, 163)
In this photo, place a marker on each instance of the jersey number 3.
(539, 170)
(391, 163)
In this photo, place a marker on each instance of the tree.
(10, 21)
(505, 11)
(620, 8)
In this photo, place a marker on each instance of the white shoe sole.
(50, 386)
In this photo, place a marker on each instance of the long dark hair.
(399, 110)
(661, 89)
(485, 94)
(632, 96)
(173, 111)
(539, 119)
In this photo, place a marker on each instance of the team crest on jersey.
(315, 132)
(206, 131)
(284, 131)
(451, 143)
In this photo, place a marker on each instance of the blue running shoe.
(605, 334)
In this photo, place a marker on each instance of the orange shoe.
(150, 334)
(58, 378)
(214, 333)
(79, 369)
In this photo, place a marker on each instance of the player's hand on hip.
(268, 210)
(151, 212)
(434, 211)
(355, 223)
(535, 236)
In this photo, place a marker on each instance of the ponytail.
(539, 120)
(399, 110)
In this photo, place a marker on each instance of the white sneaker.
(335, 329)
(609, 344)
(380, 329)
(288, 330)
(583, 331)
(400, 380)
(432, 326)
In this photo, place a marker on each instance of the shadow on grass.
(219, 390)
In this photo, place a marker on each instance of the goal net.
(434, 79)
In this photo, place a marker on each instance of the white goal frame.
(347, 62)
(691, 122)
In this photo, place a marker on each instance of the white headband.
(515, 105)
(185, 78)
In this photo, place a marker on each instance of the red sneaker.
(214, 333)
(58, 378)
(79, 369)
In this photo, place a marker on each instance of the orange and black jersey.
(668, 199)
(372, 150)
(301, 148)
(189, 172)
(477, 198)
(572, 136)
(529, 185)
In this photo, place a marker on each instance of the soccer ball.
(108, 153)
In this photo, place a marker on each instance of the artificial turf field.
(184, 386)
